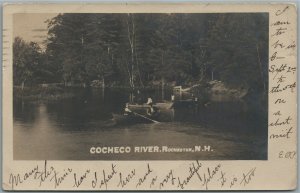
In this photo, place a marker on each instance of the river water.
(67, 129)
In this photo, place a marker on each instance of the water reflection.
(67, 129)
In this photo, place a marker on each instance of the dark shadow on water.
(70, 127)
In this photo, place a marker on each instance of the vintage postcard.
(184, 96)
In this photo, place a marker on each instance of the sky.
(31, 26)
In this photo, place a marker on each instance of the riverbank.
(55, 92)
(206, 92)
(216, 91)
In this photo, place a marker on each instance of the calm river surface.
(67, 129)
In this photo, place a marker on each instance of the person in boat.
(149, 101)
(127, 111)
(152, 111)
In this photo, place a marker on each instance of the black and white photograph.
(140, 86)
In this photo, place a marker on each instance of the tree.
(27, 61)
(143, 49)
(67, 46)
(236, 44)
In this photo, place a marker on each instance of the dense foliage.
(138, 50)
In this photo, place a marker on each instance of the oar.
(145, 117)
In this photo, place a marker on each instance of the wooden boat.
(165, 111)
(160, 106)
